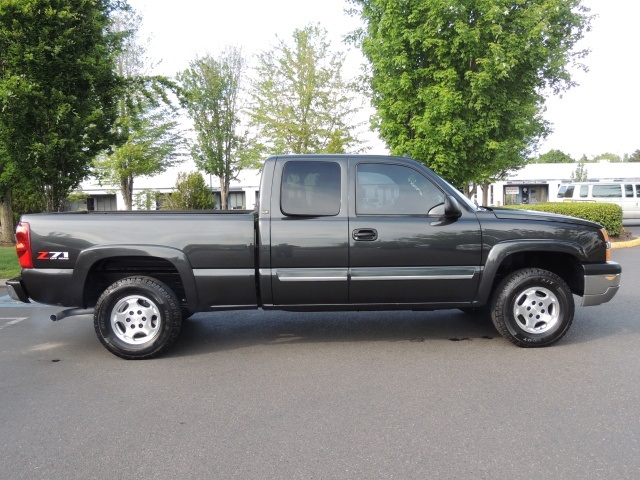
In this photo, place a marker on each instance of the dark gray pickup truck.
(332, 233)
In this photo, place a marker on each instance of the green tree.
(554, 156)
(57, 85)
(211, 93)
(580, 174)
(192, 193)
(460, 85)
(635, 156)
(146, 125)
(611, 157)
(301, 103)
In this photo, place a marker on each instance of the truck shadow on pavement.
(211, 332)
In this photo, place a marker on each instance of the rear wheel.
(137, 318)
(532, 307)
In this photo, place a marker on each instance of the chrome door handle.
(365, 234)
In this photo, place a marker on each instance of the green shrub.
(608, 215)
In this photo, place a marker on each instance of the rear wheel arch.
(99, 267)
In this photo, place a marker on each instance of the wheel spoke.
(135, 319)
(536, 310)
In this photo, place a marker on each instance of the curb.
(627, 244)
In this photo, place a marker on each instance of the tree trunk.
(470, 192)
(224, 193)
(7, 231)
(126, 186)
(485, 193)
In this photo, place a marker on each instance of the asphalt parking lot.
(262, 395)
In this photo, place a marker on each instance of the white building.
(534, 183)
(539, 182)
(243, 192)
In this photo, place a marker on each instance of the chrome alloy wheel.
(136, 320)
(537, 310)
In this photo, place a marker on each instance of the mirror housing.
(451, 207)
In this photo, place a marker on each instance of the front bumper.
(16, 290)
(601, 283)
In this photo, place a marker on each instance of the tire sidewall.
(155, 292)
(513, 288)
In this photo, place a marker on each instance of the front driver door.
(401, 249)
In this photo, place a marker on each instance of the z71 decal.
(53, 255)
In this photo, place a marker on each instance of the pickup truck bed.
(79, 254)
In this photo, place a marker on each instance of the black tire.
(532, 307)
(137, 318)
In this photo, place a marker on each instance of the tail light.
(23, 245)
(607, 243)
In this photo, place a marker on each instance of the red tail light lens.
(23, 245)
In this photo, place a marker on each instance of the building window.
(235, 201)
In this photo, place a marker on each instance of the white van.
(626, 194)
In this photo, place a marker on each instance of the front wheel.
(137, 318)
(532, 307)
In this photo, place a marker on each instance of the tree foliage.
(554, 156)
(301, 102)
(57, 85)
(607, 156)
(192, 193)
(580, 174)
(460, 85)
(211, 93)
(146, 128)
(634, 157)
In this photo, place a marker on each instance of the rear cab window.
(310, 188)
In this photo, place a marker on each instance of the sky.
(601, 114)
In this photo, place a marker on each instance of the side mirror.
(451, 207)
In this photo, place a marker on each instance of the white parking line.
(12, 321)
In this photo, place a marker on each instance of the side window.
(628, 191)
(310, 188)
(638, 191)
(607, 191)
(569, 192)
(584, 191)
(561, 191)
(394, 190)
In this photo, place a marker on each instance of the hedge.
(609, 215)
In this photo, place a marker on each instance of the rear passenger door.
(309, 231)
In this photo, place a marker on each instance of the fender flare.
(88, 258)
(499, 253)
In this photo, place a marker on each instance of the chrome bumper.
(16, 290)
(601, 283)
